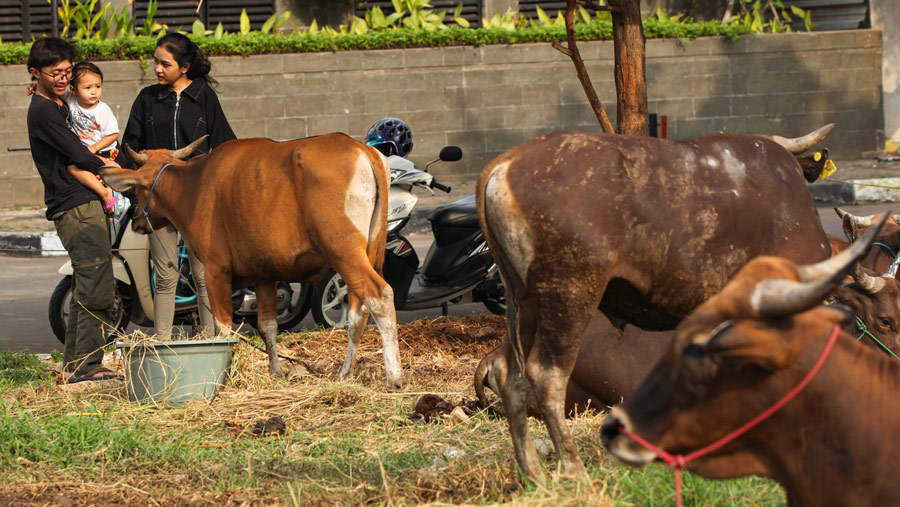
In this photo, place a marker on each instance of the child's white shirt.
(91, 125)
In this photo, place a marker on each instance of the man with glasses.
(75, 210)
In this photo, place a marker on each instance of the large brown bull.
(256, 211)
(740, 354)
(642, 229)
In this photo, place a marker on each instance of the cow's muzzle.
(622, 447)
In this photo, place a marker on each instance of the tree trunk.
(631, 85)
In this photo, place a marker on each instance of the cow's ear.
(848, 225)
(120, 180)
(744, 344)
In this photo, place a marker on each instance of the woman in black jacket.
(179, 110)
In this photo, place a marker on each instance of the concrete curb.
(832, 193)
(31, 244)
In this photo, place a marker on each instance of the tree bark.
(572, 52)
(631, 85)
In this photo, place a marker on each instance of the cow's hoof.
(395, 384)
(276, 371)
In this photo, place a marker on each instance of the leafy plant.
(771, 16)
(275, 22)
(457, 17)
(150, 26)
(245, 22)
(506, 21)
(123, 22)
(66, 14)
(376, 19)
(419, 14)
(86, 19)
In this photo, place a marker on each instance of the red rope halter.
(677, 462)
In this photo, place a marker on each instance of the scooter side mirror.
(450, 153)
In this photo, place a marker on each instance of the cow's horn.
(138, 158)
(781, 298)
(184, 153)
(870, 284)
(891, 271)
(798, 145)
(841, 213)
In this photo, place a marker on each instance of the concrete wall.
(489, 99)
(886, 18)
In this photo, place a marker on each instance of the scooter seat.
(461, 213)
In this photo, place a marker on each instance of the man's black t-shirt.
(53, 147)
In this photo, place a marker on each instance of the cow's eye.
(886, 323)
(695, 351)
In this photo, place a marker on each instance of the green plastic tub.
(176, 372)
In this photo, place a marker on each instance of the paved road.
(26, 285)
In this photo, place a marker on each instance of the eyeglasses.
(57, 75)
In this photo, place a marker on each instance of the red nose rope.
(679, 461)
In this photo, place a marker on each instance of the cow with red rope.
(761, 380)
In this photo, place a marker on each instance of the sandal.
(98, 373)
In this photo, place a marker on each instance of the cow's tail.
(378, 224)
(499, 255)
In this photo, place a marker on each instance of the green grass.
(20, 368)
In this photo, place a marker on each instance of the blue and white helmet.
(392, 134)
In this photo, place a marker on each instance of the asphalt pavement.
(27, 282)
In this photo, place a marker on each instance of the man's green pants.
(84, 233)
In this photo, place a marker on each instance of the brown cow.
(874, 298)
(741, 352)
(644, 229)
(611, 364)
(886, 246)
(256, 211)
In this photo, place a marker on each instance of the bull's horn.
(781, 298)
(798, 145)
(138, 158)
(870, 284)
(184, 153)
(891, 271)
(841, 213)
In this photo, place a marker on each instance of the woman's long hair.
(187, 53)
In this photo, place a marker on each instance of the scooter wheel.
(329, 301)
(297, 296)
(59, 308)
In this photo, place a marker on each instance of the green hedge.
(133, 48)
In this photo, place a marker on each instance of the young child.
(95, 124)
